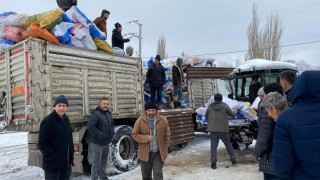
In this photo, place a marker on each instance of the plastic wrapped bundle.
(13, 33)
(63, 32)
(75, 14)
(37, 32)
(5, 44)
(15, 20)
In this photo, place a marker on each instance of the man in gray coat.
(218, 126)
(101, 131)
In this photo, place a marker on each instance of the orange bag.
(37, 32)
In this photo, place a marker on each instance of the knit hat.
(273, 87)
(158, 57)
(179, 62)
(117, 25)
(129, 49)
(261, 92)
(61, 99)
(150, 105)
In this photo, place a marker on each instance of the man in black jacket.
(56, 143)
(101, 131)
(66, 4)
(263, 147)
(117, 39)
(156, 80)
(177, 79)
(287, 79)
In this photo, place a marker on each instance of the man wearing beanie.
(152, 132)
(129, 51)
(101, 131)
(156, 80)
(55, 142)
(263, 147)
(177, 79)
(117, 39)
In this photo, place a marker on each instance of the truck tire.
(123, 151)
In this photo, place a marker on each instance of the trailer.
(34, 72)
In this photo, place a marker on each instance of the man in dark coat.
(55, 142)
(287, 79)
(65, 5)
(253, 89)
(177, 79)
(101, 131)
(117, 39)
(156, 80)
(101, 21)
(263, 147)
(218, 126)
(296, 148)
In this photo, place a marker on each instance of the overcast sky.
(202, 26)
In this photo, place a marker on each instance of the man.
(117, 39)
(152, 133)
(156, 80)
(287, 79)
(65, 5)
(296, 148)
(56, 143)
(253, 89)
(101, 22)
(275, 104)
(263, 147)
(101, 131)
(177, 79)
(129, 51)
(218, 125)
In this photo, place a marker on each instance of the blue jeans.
(177, 92)
(153, 91)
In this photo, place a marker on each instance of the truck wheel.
(123, 150)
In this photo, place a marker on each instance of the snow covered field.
(189, 163)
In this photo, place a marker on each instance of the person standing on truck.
(101, 21)
(296, 142)
(218, 125)
(156, 80)
(101, 130)
(287, 79)
(129, 51)
(263, 147)
(117, 39)
(177, 79)
(253, 89)
(65, 5)
(55, 142)
(152, 132)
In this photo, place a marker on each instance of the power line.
(239, 51)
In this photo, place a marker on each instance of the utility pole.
(139, 36)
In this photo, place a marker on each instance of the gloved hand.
(179, 85)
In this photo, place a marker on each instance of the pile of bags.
(243, 109)
(71, 28)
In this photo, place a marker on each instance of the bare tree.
(302, 65)
(254, 46)
(225, 64)
(264, 44)
(271, 38)
(161, 48)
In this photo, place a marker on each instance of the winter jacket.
(177, 75)
(117, 39)
(66, 4)
(101, 24)
(253, 91)
(100, 127)
(141, 131)
(156, 76)
(217, 114)
(55, 142)
(296, 148)
(263, 148)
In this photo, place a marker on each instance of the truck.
(235, 83)
(34, 72)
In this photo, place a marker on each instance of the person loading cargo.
(101, 21)
(117, 39)
(65, 5)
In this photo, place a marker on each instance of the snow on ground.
(189, 163)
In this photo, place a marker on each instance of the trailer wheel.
(123, 150)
